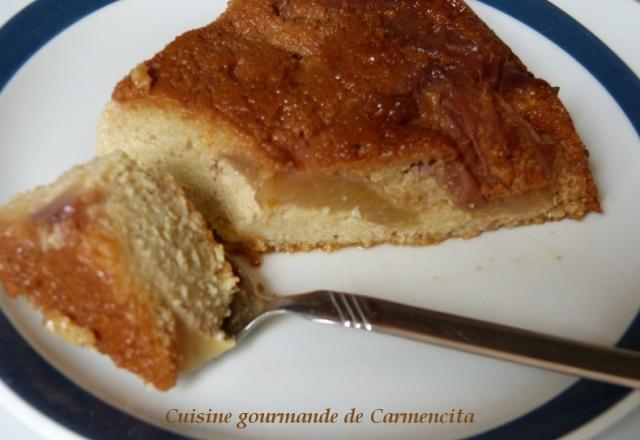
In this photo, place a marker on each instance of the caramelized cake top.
(322, 85)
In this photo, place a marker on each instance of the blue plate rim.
(51, 393)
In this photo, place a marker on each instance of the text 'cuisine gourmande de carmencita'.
(327, 416)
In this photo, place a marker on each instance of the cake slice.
(303, 124)
(119, 260)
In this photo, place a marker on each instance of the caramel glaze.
(80, 275)
(330, 84)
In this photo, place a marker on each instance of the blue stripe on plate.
(34, 26)
(51, 393)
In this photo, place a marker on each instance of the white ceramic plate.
(575, 279)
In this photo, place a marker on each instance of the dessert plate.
(575, 279)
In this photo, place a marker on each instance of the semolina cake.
(304, 124)
(118, 259)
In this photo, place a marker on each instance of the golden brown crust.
(330, 85)
(82, 280)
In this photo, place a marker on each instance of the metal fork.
(613, 365)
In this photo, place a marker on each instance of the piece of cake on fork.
(117, 259)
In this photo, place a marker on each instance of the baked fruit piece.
(119, 260)
(301, 124)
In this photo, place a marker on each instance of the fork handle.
(613, 365)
